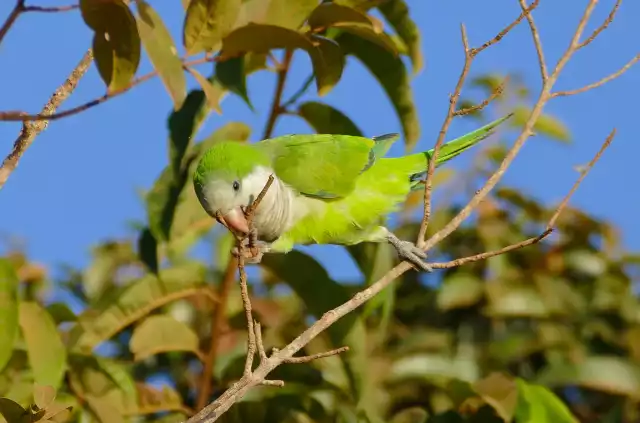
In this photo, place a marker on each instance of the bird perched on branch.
(327, 189)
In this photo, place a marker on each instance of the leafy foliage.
(544, 334)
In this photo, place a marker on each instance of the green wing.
(323, 165)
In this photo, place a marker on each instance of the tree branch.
(30, 130)
(258, 376)
(11, 19)
(276, 107)
(469, 55)
(19, 116)
(544, 72)
(596, 84)
(218, 322)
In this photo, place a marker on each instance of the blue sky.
(76, 185)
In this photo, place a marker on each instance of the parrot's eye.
(236, 185)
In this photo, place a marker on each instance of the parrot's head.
(229, 176)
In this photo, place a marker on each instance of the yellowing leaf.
(43, 395)
(287, 13)
(162, 333)
(116, 42)
(325, 119)
(134, 301)
(207, 22)
(260, 38)
(162, 52)
(391, 72)
(8, 310)
(500, 392)
(546, 125)
(328, 62)
(47, 353)
(152, 400)
(397, 14)
(213, 91)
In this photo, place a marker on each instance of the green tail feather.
(451, 149)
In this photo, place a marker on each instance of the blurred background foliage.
(528, 335)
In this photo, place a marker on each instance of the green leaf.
(162, 333)
(134, 301)
(536, 404)
(116, 42)
(60, 312)
(148, 250)
(359, 4)
(207, 22)
(8, 310)
(261, 38)
(329, 14)
(369, 33)
(311, 282)
(546, 125)
(183, 126)
(325, 119)
(231, 75)
(162, 51)
(328, 63)
(463, 289)
(611, 374)
(213, 91)
(47, 353)
(13, 412)
(396, 12)
(391, 72)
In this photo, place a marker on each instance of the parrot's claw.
(408, 251)
(252, 254)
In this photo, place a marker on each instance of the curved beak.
(236, 221)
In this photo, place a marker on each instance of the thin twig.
(475, 108)
(11, 19)
(501, 34)
(19, 116)
(469, 55)
(276, 108)
(246, 302)
(308, 358)
(544, 72)
(261, 351)
(549, 226)
(54, 9)
(545, 95)
(600, 82)
(602, 27)
(218, 322)
(483, 256)
(30, 130)
(583, 174)
(453, 100)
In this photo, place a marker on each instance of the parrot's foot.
(252, 253)
(408, 251)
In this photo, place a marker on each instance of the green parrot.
(327, 189)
